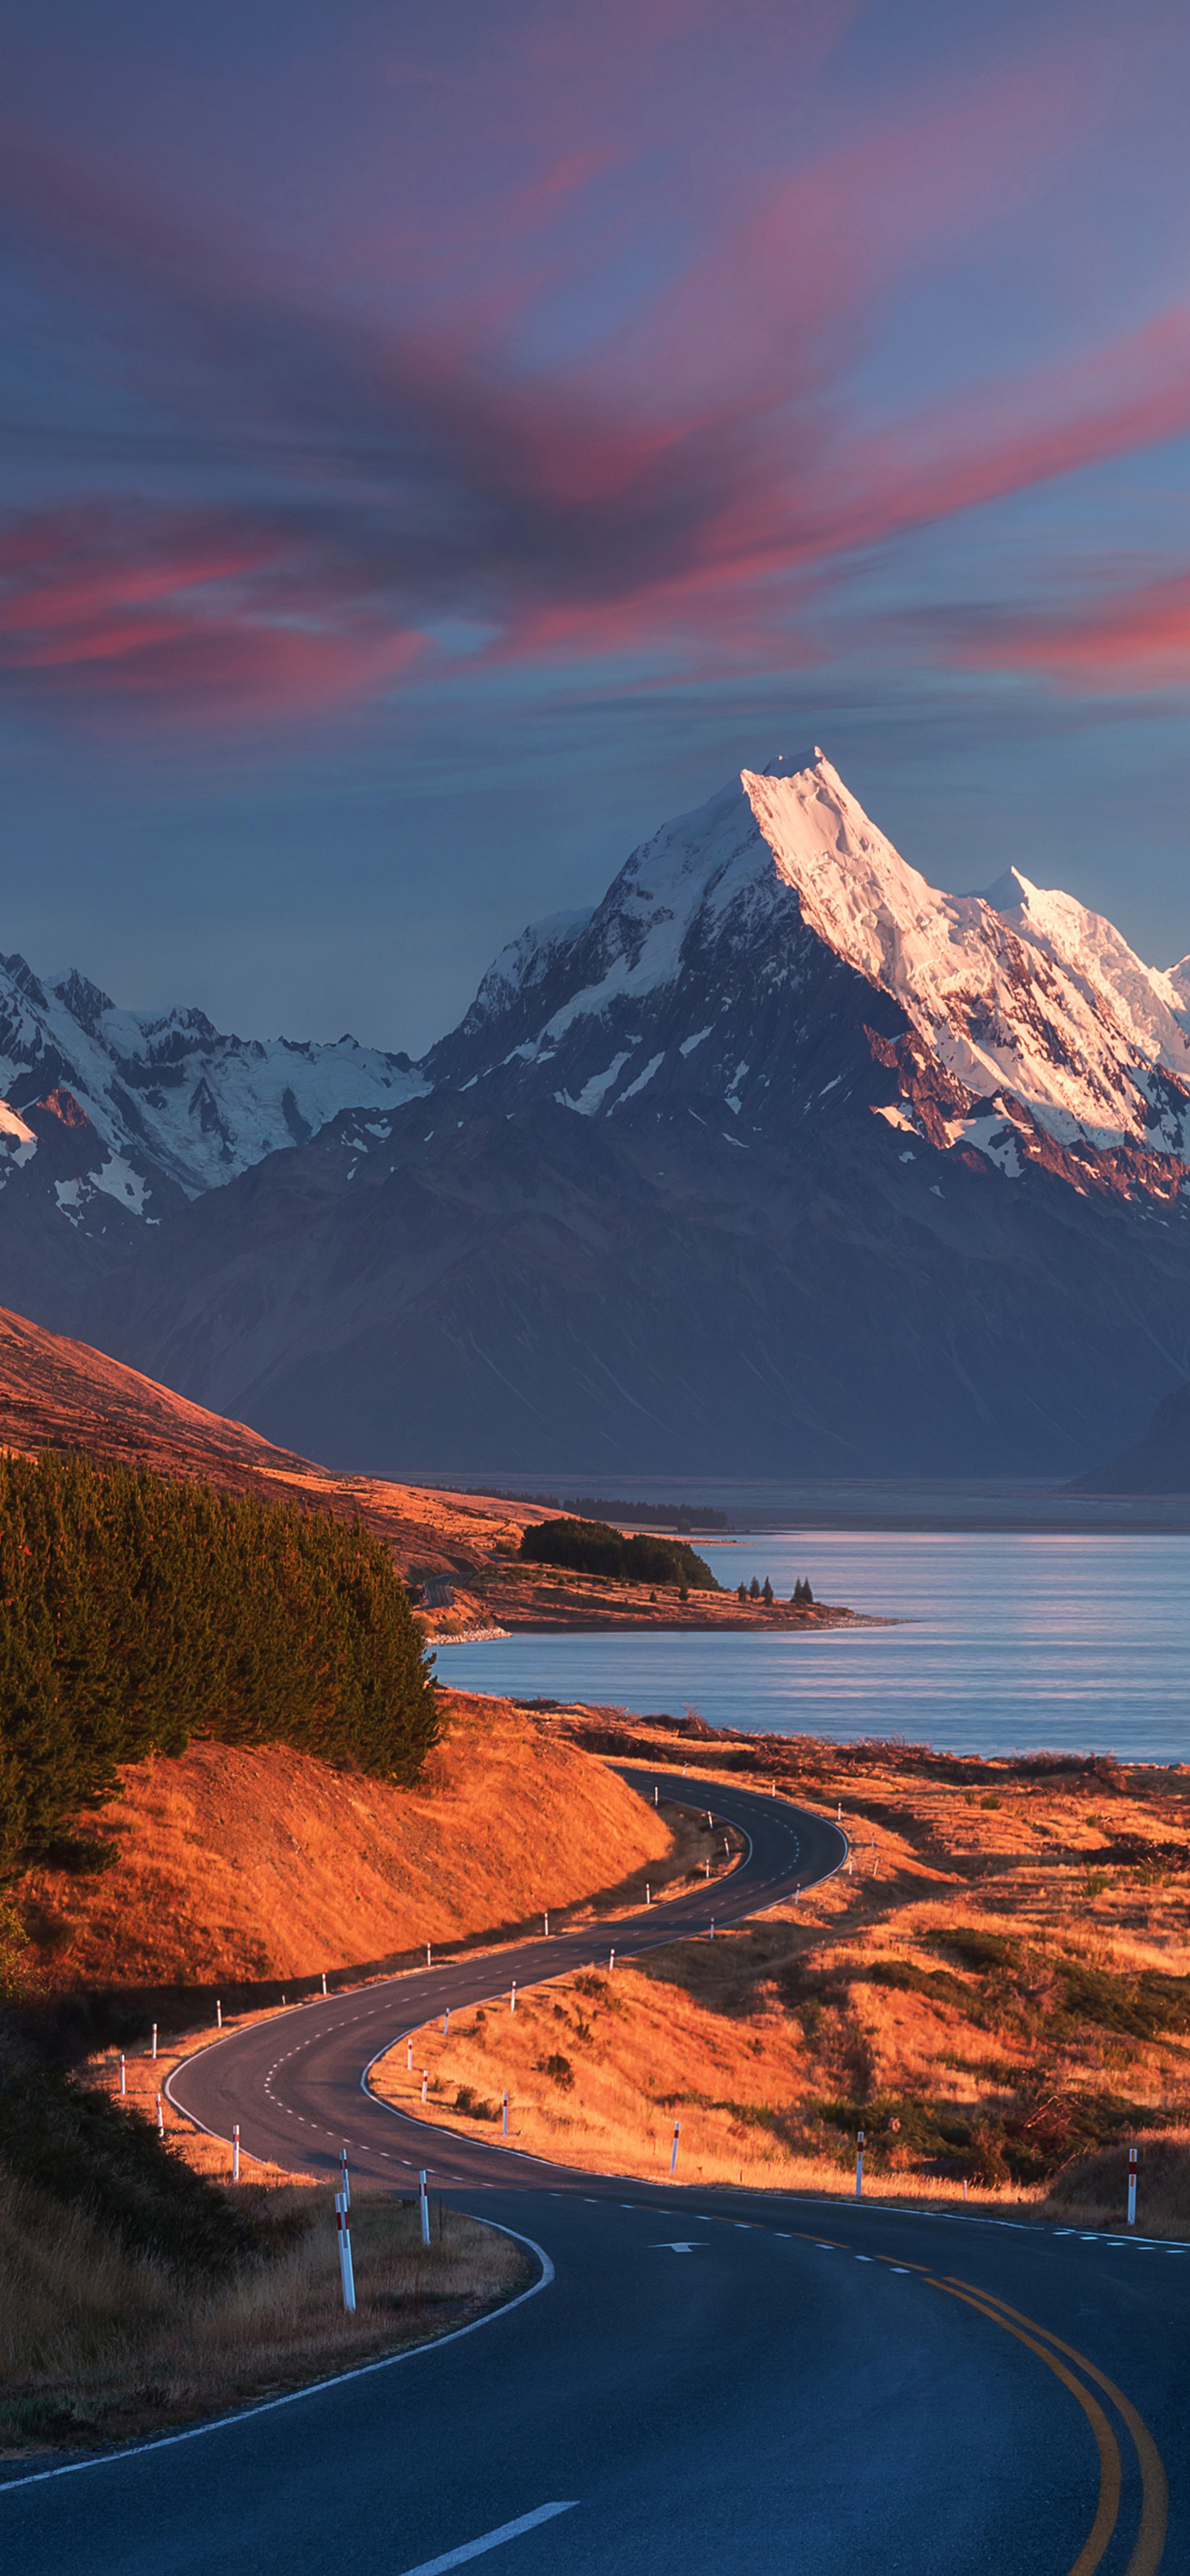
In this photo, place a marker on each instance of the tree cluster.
(756, 1591)
(137, 1613)
(594, 1547)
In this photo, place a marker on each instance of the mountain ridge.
(777, 1159)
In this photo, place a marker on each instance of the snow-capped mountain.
(1029, 1029)
(777, 1161)
(136, 1113)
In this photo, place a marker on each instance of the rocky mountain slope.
(110, 1121)
(779, 1161)
(1158, 1463)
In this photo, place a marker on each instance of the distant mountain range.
(777, 1162)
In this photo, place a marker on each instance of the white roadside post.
(409, 2054)
(859, 2164)
(123, 2074)
(429, 1956)
(712, 1927)
(160, 2117)
(346, 2272)
(424, 2198)
(505, 2123)
(324, 1980)
(673, 2153)
(446, 2023)
(648, 1893)
(546, 1920)
(512, 1997)
(425, 2078)
(154, 2039)
(345, 2178)
(235, 2153)
(1132, 2186)
(656, 1793)
(611, 1962)
(218, 2014)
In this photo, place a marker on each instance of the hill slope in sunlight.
(244, 1863)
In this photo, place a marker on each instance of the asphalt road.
(852, 2387)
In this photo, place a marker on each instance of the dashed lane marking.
(491, 2539)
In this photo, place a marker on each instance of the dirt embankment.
(248, 1864)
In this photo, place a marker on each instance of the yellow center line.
(1110, 2474)
(1150, 2539)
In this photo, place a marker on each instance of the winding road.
(855, 2387)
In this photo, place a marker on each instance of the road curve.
(736, 2382)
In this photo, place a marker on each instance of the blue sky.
(438, 443)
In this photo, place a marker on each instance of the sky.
(439, 442)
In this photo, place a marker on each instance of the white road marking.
(665, 2247)
(490, 2540)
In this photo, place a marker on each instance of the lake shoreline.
(985, 1644)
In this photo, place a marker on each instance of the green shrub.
(559, 2069)
(468, 2102)
(594, 1547)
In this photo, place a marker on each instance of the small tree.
(754, 1590)
(742, 1591)
(767, 1594)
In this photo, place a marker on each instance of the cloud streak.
(301, 506)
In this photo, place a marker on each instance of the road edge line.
(315, 2388)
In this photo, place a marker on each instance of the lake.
(1012, 1641)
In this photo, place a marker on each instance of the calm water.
(1013, 1642)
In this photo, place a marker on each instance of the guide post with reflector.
(1132, 2159)
(346, 2272)
(859, 2164)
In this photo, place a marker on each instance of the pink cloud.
(1129, 639)
(225, 622)
(687, 493)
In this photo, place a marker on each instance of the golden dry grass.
(1094, 2192)
(244, 1863)
(97, 2344)
(634, 2056)
(862, 2005)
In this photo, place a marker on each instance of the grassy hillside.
(251, 1863)
(998, 1993)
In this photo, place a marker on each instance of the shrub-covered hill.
(138, 1613)
(594, 1547)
